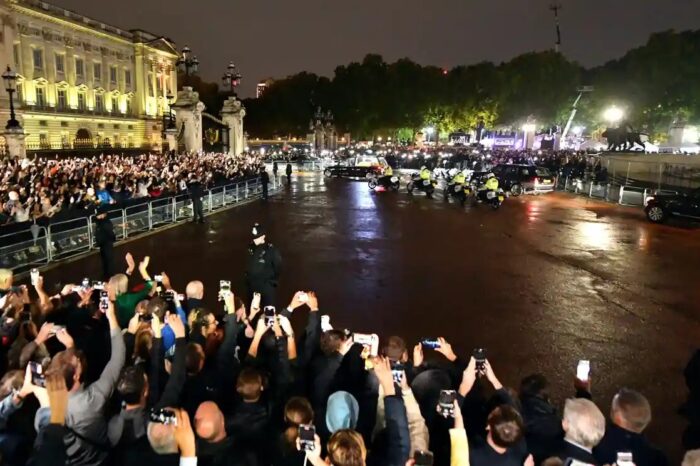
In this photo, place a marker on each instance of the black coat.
(543, 430)
(568, 450)
(617, 439)
(264, 263)
(104, 232)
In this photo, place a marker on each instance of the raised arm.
(176, 382)
(103, 387)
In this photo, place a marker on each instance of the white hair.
(583, 422)
(162, 438)
(691, 458)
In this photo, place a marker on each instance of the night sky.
(275, 38)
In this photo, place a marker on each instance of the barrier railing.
(611, 192)
(41, 245)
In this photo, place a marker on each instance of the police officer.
(264, 180)
(105, 238)
(459, 178)
(263, 270)
(196, 190)
(425, 173)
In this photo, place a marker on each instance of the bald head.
(209, 422)
(195, 289)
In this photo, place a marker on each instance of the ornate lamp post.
(10, 79)
(187, 63)
(231, 78)
(171, 101)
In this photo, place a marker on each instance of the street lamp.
(10, 79)
(231, 78)
(613, 114)
(187, 62)
(171, 101)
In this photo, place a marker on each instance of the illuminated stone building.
(83, 83)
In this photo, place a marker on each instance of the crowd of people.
(131, 372)
(39, 189)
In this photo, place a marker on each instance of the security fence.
(40, 245)
(631, 182)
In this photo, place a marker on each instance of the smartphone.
(37, 371)
(158, 278)
(431, 343)
(163, 416)
(423, 458)
(624, 458)
(307, 437)
(34, 276)
(224, 285)
(255, 304)
(326, 323)
(85, 284)
(57, 328)
(479, 355)
(583, 370)
(98, 285)
(446, 403)
(269, 313)
(370, 341)
(397, 370)
(303, 297)
(104, 301)
(145, 317)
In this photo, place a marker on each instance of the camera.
(446, 407)
(37, 372)
(369, 341)
(397, 370)
(423, 458)
(307, 437)
(624, 459)
(583, 370)
(479, 355)
(34, 274)
(104, 301)
(163, 416)
(269, 314)
(431, 343)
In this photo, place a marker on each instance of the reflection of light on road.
(643, 241)
(595, 235)
(533, 212)
(362, 197)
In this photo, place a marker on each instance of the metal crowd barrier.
(39, 245)
(611, 192)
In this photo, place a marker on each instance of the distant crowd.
(36, 188)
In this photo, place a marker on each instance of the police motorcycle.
(455, 189)
(421, 184)
(383, 183)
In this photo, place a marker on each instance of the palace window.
(60, 63)
(115, 104)
(81, 101)
(62, 99)
(127, 77)
(99, 102)
(40, 97)
(97, 71)
(38, 56)
(113, 74)
(79, 67)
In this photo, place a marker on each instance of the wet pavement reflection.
(541, 283)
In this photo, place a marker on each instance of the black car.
(659, 207)
(523, 179)
(351, 171)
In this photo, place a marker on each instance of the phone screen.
(307, 436)
(269, 314)
(446, 403)
(583, 370)
(37, 371)
(423, 458)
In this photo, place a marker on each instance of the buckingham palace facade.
(83, 83)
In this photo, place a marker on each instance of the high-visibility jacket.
(425, 174)
(388, 171)
(459, 178)
(492, 184)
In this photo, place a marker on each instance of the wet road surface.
(541, 283)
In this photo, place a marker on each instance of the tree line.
(654, 84)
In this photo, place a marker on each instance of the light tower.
(555, 7)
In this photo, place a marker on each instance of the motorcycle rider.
(459, 178)
(491, 184)
(424, 173)
(387, 174)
